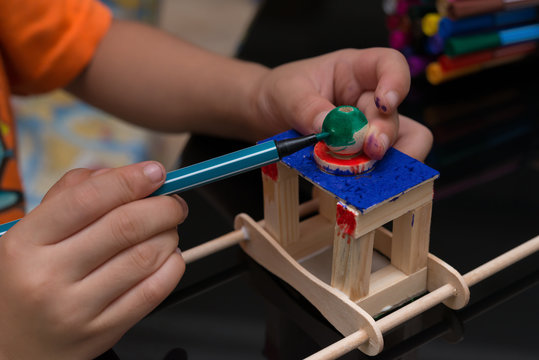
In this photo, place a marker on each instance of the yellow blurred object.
(429, 23)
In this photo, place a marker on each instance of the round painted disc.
(352, 165)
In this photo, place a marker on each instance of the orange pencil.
(437, 75)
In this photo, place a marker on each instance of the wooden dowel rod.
(428, 301)
(213, 246)
(341, 347)
(235, 237)
(506, 259)
(415, 308)
(385, 324)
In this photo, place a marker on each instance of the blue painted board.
(391, 176)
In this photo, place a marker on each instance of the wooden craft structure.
(342, 259)
(336, 251)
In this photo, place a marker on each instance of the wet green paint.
(342, 123)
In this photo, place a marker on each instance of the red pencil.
(436, 74)
(463, 8)
(447, 63)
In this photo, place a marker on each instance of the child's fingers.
(119, 230)
(301, 104)
(387, 73)
(138, 301)
(393, 84)
(72, 178)
(82, 204)
(309, 119)
(354, 72)
(414, 138)
(125, 270)
(383, 128)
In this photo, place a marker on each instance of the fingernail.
(319, 121)
(380, 104)
(384, 141)
(377, 145)
(178, 251)
(184, 205)
(154, 172)
(392, 99)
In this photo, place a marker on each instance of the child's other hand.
(376, 80)
(88, 263)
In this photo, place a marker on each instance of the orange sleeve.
(46, 43)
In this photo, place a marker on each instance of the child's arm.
(88, 263)
(153, 79)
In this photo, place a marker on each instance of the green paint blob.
(342, 123)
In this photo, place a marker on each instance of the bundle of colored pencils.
(447, 39)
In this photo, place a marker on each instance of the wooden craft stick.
(428, 301)
(235, 237)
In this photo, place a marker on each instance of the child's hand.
(376, 80)
(88, 263)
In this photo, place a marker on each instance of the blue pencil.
(225, 166)
(448, 27)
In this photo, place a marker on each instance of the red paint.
(347, 165)
(271, 171)
(323, 152)
(346, 220)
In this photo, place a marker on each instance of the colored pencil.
(461, 9)
(448, 27)
(452, 63)
(430, 23)
(466, 44)
(437, 75)
(225, 166)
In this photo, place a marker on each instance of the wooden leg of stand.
(351, 268)
(281, 203)
(411, 233)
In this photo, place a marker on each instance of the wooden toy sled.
(337, 252)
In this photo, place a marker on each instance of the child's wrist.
(249, 111)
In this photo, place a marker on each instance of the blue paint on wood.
(391, 177)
